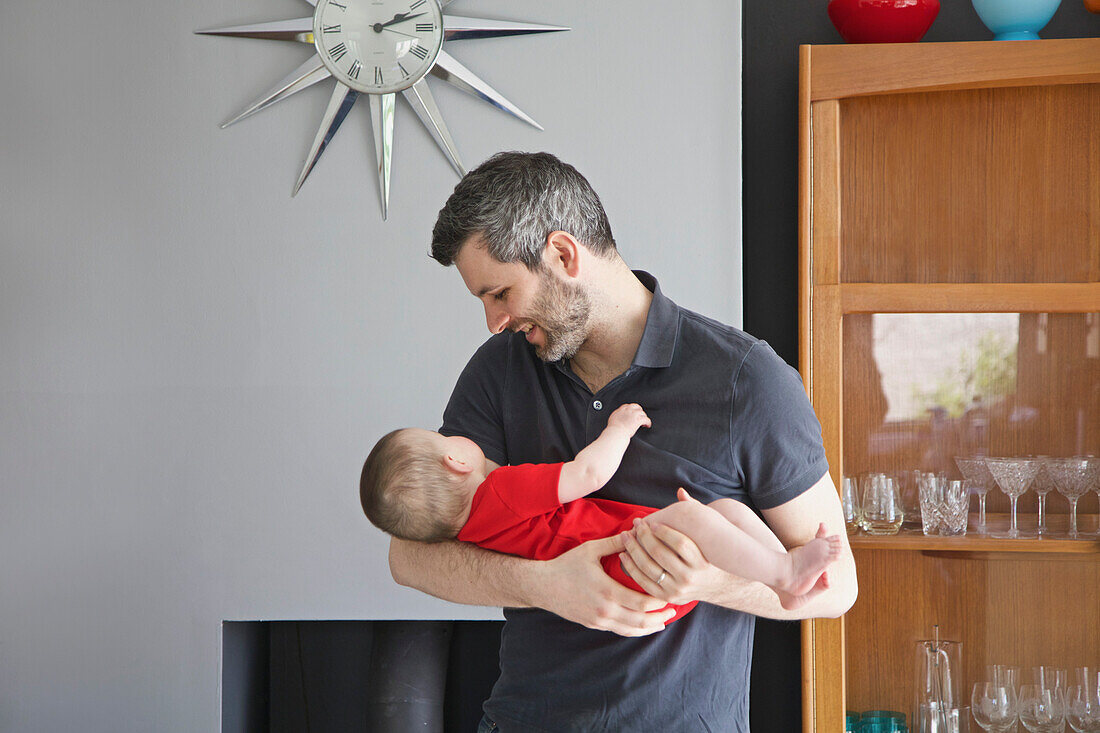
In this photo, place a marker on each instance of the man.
(576, 334)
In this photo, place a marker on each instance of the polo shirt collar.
(662, 325)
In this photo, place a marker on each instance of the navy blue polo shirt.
(730, 419)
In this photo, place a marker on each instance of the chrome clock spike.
(448, 68)
(420, 98)
(381, 117)
(456, 28)
(373, 47)
(306, 75)
(297, 29)
(338, 107)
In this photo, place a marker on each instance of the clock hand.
(391, 30)
(398, 18)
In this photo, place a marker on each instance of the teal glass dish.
(1015, 20)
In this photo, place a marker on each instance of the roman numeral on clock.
(404, 71)
(419, 51)
(378, 75)
(353, 72)
(416, 5)
(337, 52)
(424, 27)
(331, 28)
(342, 7)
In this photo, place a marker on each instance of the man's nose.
(495, 319)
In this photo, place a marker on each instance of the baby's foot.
(809, 562)
(791, 603)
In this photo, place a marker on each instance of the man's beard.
(561, 311)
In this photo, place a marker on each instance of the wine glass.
(993, 706)
(1043, 485)
(1083, 709)
(1071, 478)
(977, 476)
(1042, 709)
(1013, 477)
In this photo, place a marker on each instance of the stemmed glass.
(994, 706)
(1071, 478)
(1042, 709)
(978, 478)
(1013, 477)
(1043, 485)
(1094, 484)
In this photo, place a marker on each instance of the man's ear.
(456, 466)
(563, 253)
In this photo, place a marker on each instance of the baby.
(420, 485)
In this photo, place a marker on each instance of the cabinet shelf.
(974, 544)
(968, 297)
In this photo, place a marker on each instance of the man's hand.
(629, 417)
(660, 553)
(575, 587)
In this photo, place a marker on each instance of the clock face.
(378, 46)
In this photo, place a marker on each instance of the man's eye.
(501, 295)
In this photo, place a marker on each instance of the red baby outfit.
(516, 510)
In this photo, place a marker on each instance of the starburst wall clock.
(379, 48)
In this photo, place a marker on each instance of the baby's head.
(418, 484)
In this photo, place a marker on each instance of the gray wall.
(193, 364)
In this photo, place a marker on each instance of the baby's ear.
(455, 465)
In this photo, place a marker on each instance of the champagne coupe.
(1071, 478)
(994, 706)
(1042, 709)
(1013, 477)
(1094, 484)
(1043, 485)
(1083, 709)
(977, 476)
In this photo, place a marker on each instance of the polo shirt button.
(597, 405)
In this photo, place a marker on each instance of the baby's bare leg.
(733, 538)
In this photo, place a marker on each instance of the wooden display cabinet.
(950, 305)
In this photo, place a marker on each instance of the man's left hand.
(661, 553)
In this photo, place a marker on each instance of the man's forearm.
(759, 600)
(461, 572)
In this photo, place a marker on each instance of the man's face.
(554, 314)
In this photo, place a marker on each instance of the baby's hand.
(629, 417)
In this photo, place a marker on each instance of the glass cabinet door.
(950, 342)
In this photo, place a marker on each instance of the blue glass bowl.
(1015, 20)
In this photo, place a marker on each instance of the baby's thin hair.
(407, 492)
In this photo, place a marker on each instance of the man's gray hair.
(513, 201)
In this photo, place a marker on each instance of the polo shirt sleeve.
(775, 435)
(475, 408)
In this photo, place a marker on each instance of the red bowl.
(883, 21)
